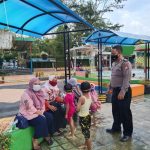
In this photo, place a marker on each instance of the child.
(95, 103)
(70, 108)
(83, 107)
(77, 94)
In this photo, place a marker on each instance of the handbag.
(22, 122)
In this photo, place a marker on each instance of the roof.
(114, 37)
(36, 17)
(26, 39)
(83, 48)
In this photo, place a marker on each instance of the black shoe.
(111, 131)
(125, 138)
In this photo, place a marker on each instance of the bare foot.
(70, 132)
(70, 136)
(82, 147)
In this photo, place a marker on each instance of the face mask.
(53, 83)
(36, 88)
(114, 57)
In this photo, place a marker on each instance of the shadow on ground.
(8, 109)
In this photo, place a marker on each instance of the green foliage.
(10, 55)
(92, 11)
(5, 141)
(53, 47)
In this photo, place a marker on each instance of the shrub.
(5, 141)
(5, 138)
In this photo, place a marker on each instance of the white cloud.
(134, 16)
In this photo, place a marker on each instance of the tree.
(93, 11)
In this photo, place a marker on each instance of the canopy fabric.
(36, 17)
(111, 37)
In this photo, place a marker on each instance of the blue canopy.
(36, 17)
(115, 37)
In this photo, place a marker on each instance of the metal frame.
(67, 54)
(67, 57)
(100, 67)
(147, 57)
(15, 27)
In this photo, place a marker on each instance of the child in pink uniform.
(70, 107)
(95, 103)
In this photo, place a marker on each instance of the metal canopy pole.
(100, 90)
(145, 58)
(148, 56)
(64, 34)
(101, 78)
(98, 67)
(67, 55)
(69, 60)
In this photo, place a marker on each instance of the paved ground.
(102, 140)
(10, 95)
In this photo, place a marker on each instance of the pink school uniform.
(69, 99)
(95, 103)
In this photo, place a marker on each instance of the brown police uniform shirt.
(121, 75)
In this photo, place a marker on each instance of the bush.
(5, 141)
(5, 138)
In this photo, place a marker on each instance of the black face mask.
(114, 57)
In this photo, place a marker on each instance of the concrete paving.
(104, 141)
(10, 96)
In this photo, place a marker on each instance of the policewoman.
(121, 94)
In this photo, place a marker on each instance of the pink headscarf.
(37, 97)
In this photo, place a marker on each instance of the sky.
(135, 16)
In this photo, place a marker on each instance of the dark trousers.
(43, 126)
(121, 112)
(58, 116)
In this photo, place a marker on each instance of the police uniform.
(120, 78)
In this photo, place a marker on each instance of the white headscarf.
(52, 77)
(73, 81)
